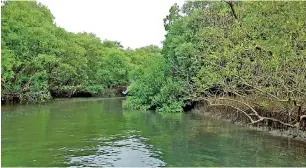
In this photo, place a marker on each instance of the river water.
(98, 132)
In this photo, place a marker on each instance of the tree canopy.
(252, 49)
(41, 60)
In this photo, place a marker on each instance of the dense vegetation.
(41, 60)
(250, 56)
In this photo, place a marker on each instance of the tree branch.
(253, 114)
(238, 109)
(230, 3)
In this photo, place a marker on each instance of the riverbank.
(54, 94)
(231, 115)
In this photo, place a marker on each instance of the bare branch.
(302, 117)
(238, 109)
(276, 120)
(230, 3)
(253, 114)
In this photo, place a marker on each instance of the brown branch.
(302, 117)
(253, 114)
(230, 3)
(271, 95)
(276, 120)
(238, 109)
(257, 121)
(235, 93)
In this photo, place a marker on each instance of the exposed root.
(275, 120)
(253, 117)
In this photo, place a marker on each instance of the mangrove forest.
(243, 61)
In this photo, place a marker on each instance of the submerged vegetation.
(248, 56)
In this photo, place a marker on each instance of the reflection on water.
(98, 132)
(126, 152)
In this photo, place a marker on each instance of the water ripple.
(130, 152)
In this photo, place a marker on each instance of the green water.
(98, 132)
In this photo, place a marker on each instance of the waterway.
(99, 132)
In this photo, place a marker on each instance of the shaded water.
(97, 132)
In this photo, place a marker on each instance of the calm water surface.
(98, 132)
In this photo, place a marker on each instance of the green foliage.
(39, 58)
(114, 71)
(112, 44)
(261, 52)
(256, 48)
(148, 78)
(153, 88)
(170, 98)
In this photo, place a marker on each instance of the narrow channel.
(98, 132)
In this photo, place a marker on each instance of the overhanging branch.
(230, 3)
